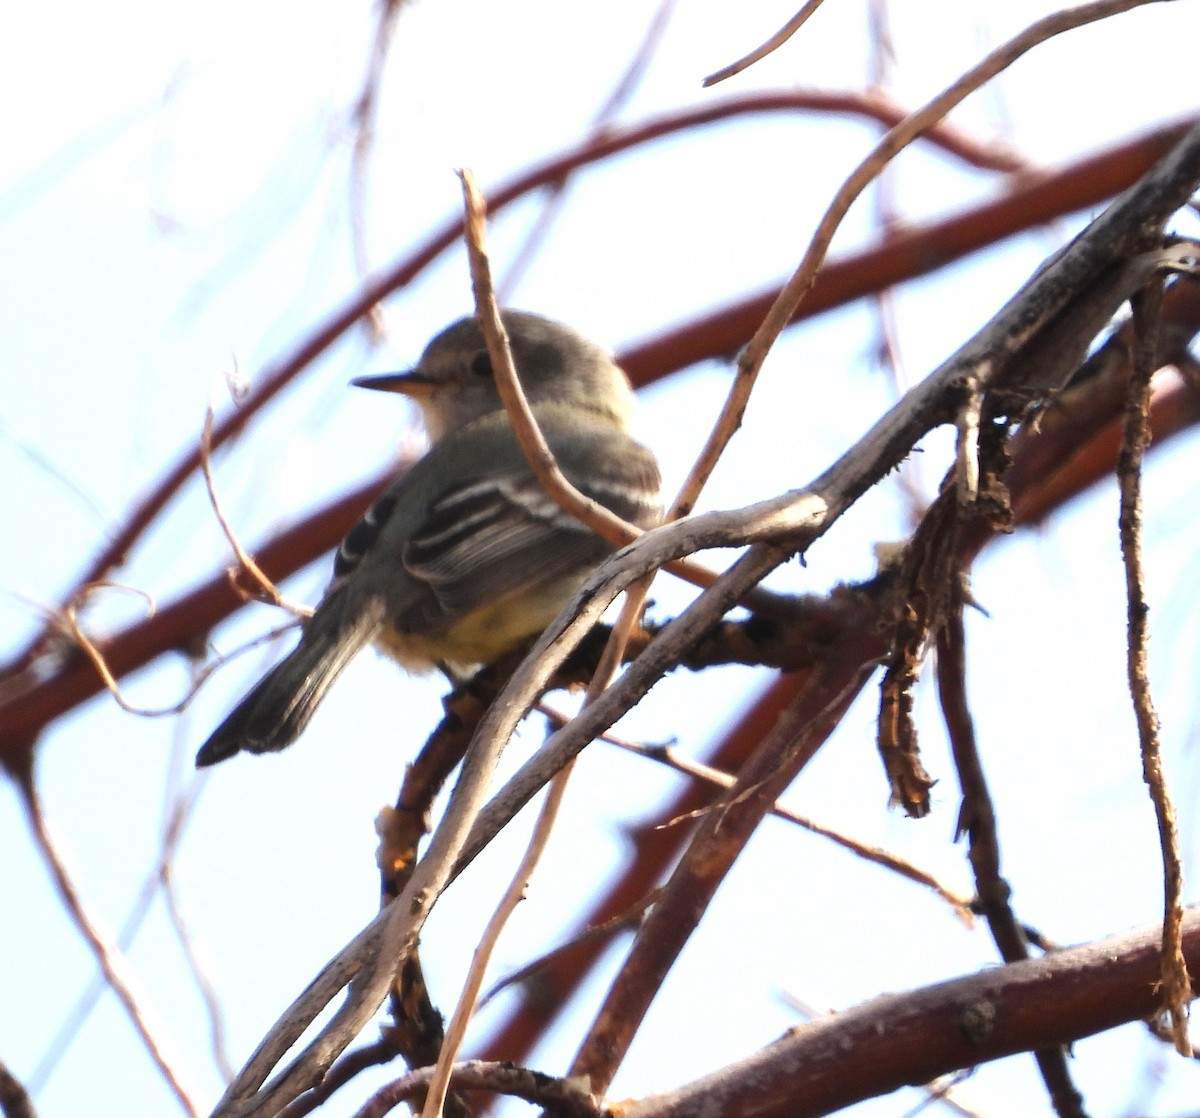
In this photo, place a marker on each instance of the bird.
(464, 557)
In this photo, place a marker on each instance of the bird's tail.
(279, 706)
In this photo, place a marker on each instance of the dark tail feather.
(278, 708)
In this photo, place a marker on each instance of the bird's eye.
(481, 364)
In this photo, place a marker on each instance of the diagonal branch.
(915, 1036)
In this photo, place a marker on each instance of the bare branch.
(1176, 984)
(557, 1095)
(266, 588)
(513, 895)
(672, 758)
(897, 138)
(915, 1036)
(112, 962)
(538, 454)
(772, 44)
(977, 820)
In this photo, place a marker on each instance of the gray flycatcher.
(465, 556)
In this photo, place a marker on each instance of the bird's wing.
(493, 535)
(497, 537)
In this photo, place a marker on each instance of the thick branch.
(913, 1037)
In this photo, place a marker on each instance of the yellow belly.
(483, 636)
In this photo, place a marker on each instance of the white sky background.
(174, 201)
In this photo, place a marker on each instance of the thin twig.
(513, 896)
(894, 141)
(112, 962)
(537, 451)
(772, 44)
(198, 968)
(977, 820)
(364, 114)
(72, 626)
(178, 813)
(556, 192)
(558, 1096)
(71, 622)
(267, 588)
(183, 786)
(672, 758)
(886, 347)
(1176, 985)
(538, 454)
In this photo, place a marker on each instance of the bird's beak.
(411, 383)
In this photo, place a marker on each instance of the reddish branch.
(915, 1036)
(27, 711)
(1032, 199)
(779, 755)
